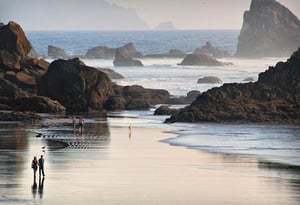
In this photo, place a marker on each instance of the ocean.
(273, 143)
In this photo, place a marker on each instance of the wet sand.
(138, 169)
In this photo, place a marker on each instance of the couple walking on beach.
(35, 164)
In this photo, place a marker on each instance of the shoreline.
(139, 169)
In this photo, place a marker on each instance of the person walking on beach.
(41, 166)
(81, 124)
(34, 165)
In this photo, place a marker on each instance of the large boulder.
(123, 59)
(75, 85)
(152, 96)
(14, 46)
(275, 97)
(56, 52)
(209, 80)
(201, 60)
(269, 30)
(100, 52)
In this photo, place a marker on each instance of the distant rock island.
(275, 97)
(165, 26)
(269, 30)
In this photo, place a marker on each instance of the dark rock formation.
(173, 53)
(269, 29)
(14, 46)
(33, 103)
(153, 96)
(200, 59)
(275, 97)
(123, 59)
(214, 52)
(103, 52)
(20, 116)
(56, 52)
(165, 110)
(75, 85)
(210, 80)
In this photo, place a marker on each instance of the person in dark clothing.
(34, 165)
(41, 166)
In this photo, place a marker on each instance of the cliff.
(269, 30)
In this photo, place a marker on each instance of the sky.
(128, 14)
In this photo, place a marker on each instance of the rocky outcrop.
(201, 60)
(275, 97)
(165, 110)
(14, 46)
(75, 85)
(33, 103)
(212, 51)
(56, 52)
(210, 80)
(123, 59)
(20, 116)
(103, 52)
(173, 53)
(269, 30)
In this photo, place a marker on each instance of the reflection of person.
(41, 187)
(34, 165)
(74, 123)
(41, 166)
(81, 124)
(34, 187)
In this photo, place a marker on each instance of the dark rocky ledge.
(275, 97)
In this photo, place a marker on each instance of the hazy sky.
(128, 14)
(197, 14)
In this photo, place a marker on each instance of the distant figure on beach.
(34, 165)
(81, 124)
(41, 166)
(130, 130)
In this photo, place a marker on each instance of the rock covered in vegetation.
(275, 97)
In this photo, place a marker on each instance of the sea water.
(276, 143)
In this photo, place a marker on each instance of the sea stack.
(269, 30)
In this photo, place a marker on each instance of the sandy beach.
(139, 169)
